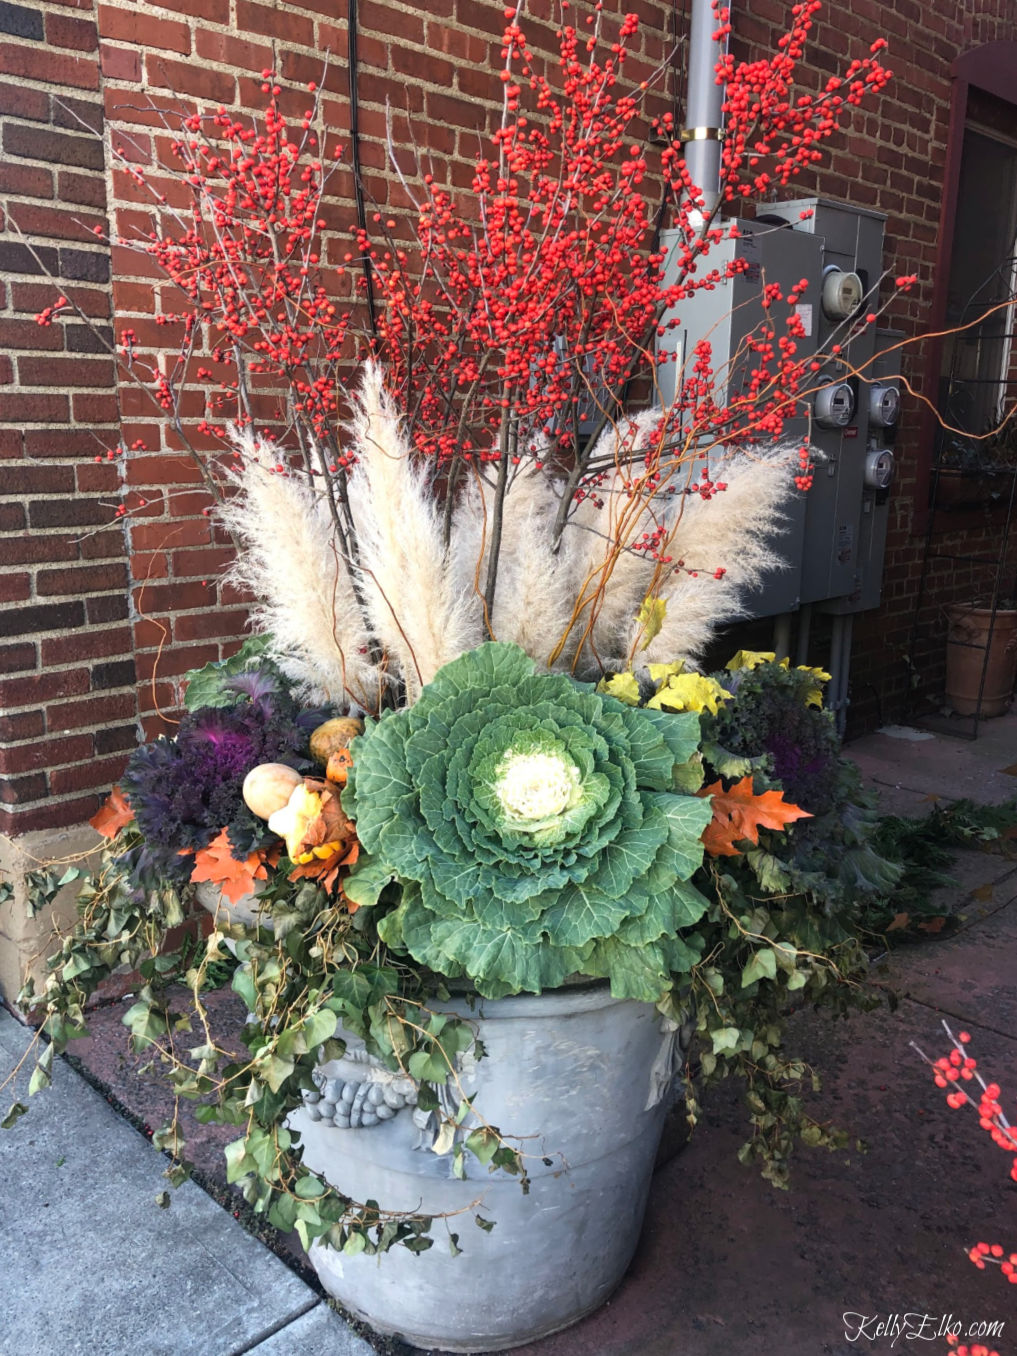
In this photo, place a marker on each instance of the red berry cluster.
(511, 322)
(952, 1071)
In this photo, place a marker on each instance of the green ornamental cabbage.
(536, 828)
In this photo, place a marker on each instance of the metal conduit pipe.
(845, 674)
(804, 627)
(782, 635)
(834, 664)
(840, 668)
(703, 101)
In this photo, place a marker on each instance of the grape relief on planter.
(357, 1090)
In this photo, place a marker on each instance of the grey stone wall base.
(25, 942)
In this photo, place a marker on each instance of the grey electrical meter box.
(837, 249)
(852, 253)
(883, 387)
(727, 315)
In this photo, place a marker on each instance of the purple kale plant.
(184, 791)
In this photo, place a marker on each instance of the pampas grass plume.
(290, 561)
(414, 608)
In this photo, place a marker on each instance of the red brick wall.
(67, 680)
(87, 592)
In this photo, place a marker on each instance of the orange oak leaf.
(936, 924)
(234, 878)
(114, 814)
(739, 814)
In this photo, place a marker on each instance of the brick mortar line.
(45, 7)
(17, 276)
(17, 199)
(62, 767)
(58, 129)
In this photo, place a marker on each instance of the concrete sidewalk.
(727, 1265)
(92, 1265)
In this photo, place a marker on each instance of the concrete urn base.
(580, 1082)
(246, 909)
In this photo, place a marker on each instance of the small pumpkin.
(337, 769)
(334, 735)
(268, 787)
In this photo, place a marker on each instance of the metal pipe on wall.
(804, 627)
(836, 652)
(840, 668)
(845, 674)
(782, 635)
(703, 102)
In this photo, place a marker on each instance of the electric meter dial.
(879, 468)
(835, 405)
(884, 406)
(842, 294)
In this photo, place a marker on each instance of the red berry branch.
(511, 322)
(955, 1073)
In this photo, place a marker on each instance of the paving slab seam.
(986, 911)
(972, 1023)
(933, 797)
(272, 1329)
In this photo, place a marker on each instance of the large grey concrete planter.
(585, 1079)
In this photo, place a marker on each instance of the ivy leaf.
(739, 814)
(319, 1027)
(145, 1024)
(310, 1188)
(276, 1071)
(725, 1038)
(483, 1144)
(237, 1166)
(177, 1174)
(763, 965)
(428, 1066)
(42, 1074)
(243, 984)
(16, 1112)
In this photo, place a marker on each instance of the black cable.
(358, 187)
